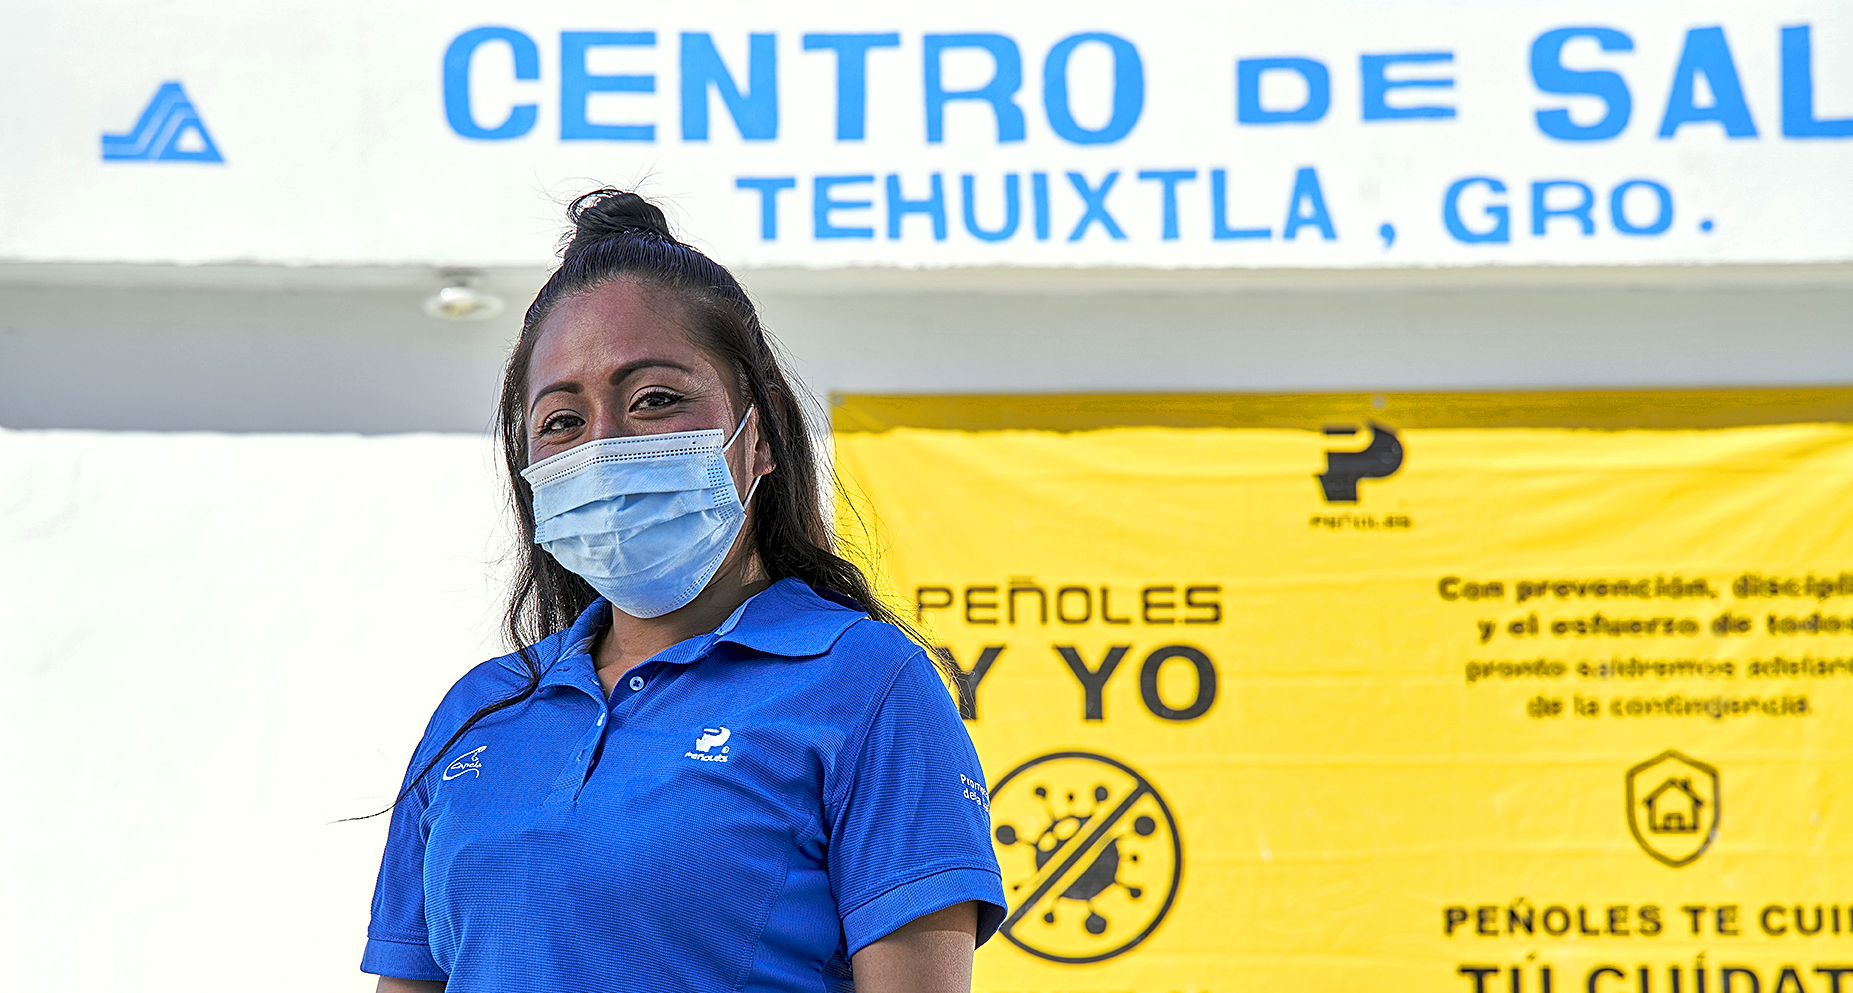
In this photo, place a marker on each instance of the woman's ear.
(763, 462)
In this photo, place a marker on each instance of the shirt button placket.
(634, 683)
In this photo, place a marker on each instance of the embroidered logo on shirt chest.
(710, 746)
(470, 762)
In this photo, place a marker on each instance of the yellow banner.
(1491, 694)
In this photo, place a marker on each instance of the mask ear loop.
(754, 485)
(739, 427)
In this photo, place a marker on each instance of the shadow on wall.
(312, 355)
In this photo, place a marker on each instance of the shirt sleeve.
(909, 819)
(397, 942)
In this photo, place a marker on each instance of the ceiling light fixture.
(460, 300)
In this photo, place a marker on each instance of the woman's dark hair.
(620, 236)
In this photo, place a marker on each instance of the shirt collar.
(566, 656)
(788, 619)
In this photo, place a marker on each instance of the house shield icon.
(1673, 807)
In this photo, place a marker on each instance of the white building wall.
(212, 647)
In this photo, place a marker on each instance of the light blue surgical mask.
(646, 520)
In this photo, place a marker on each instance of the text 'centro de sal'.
(1705, 92)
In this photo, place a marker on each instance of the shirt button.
(636, 683)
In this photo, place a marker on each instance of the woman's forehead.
(612, 325)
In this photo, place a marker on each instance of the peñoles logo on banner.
(1091, 856)
(1377, 460)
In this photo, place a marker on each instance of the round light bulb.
(462, 301)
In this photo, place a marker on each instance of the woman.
(720, 766)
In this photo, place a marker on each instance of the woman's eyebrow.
(622, 373)
(627, 369)
(564, 386)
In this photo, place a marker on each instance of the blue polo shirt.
(746, 811)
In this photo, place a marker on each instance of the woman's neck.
(630, 641)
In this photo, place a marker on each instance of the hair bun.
(609, 213)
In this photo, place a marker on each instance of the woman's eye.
(655, 400)
(560, 422)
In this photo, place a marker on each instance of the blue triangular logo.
(170, 130)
